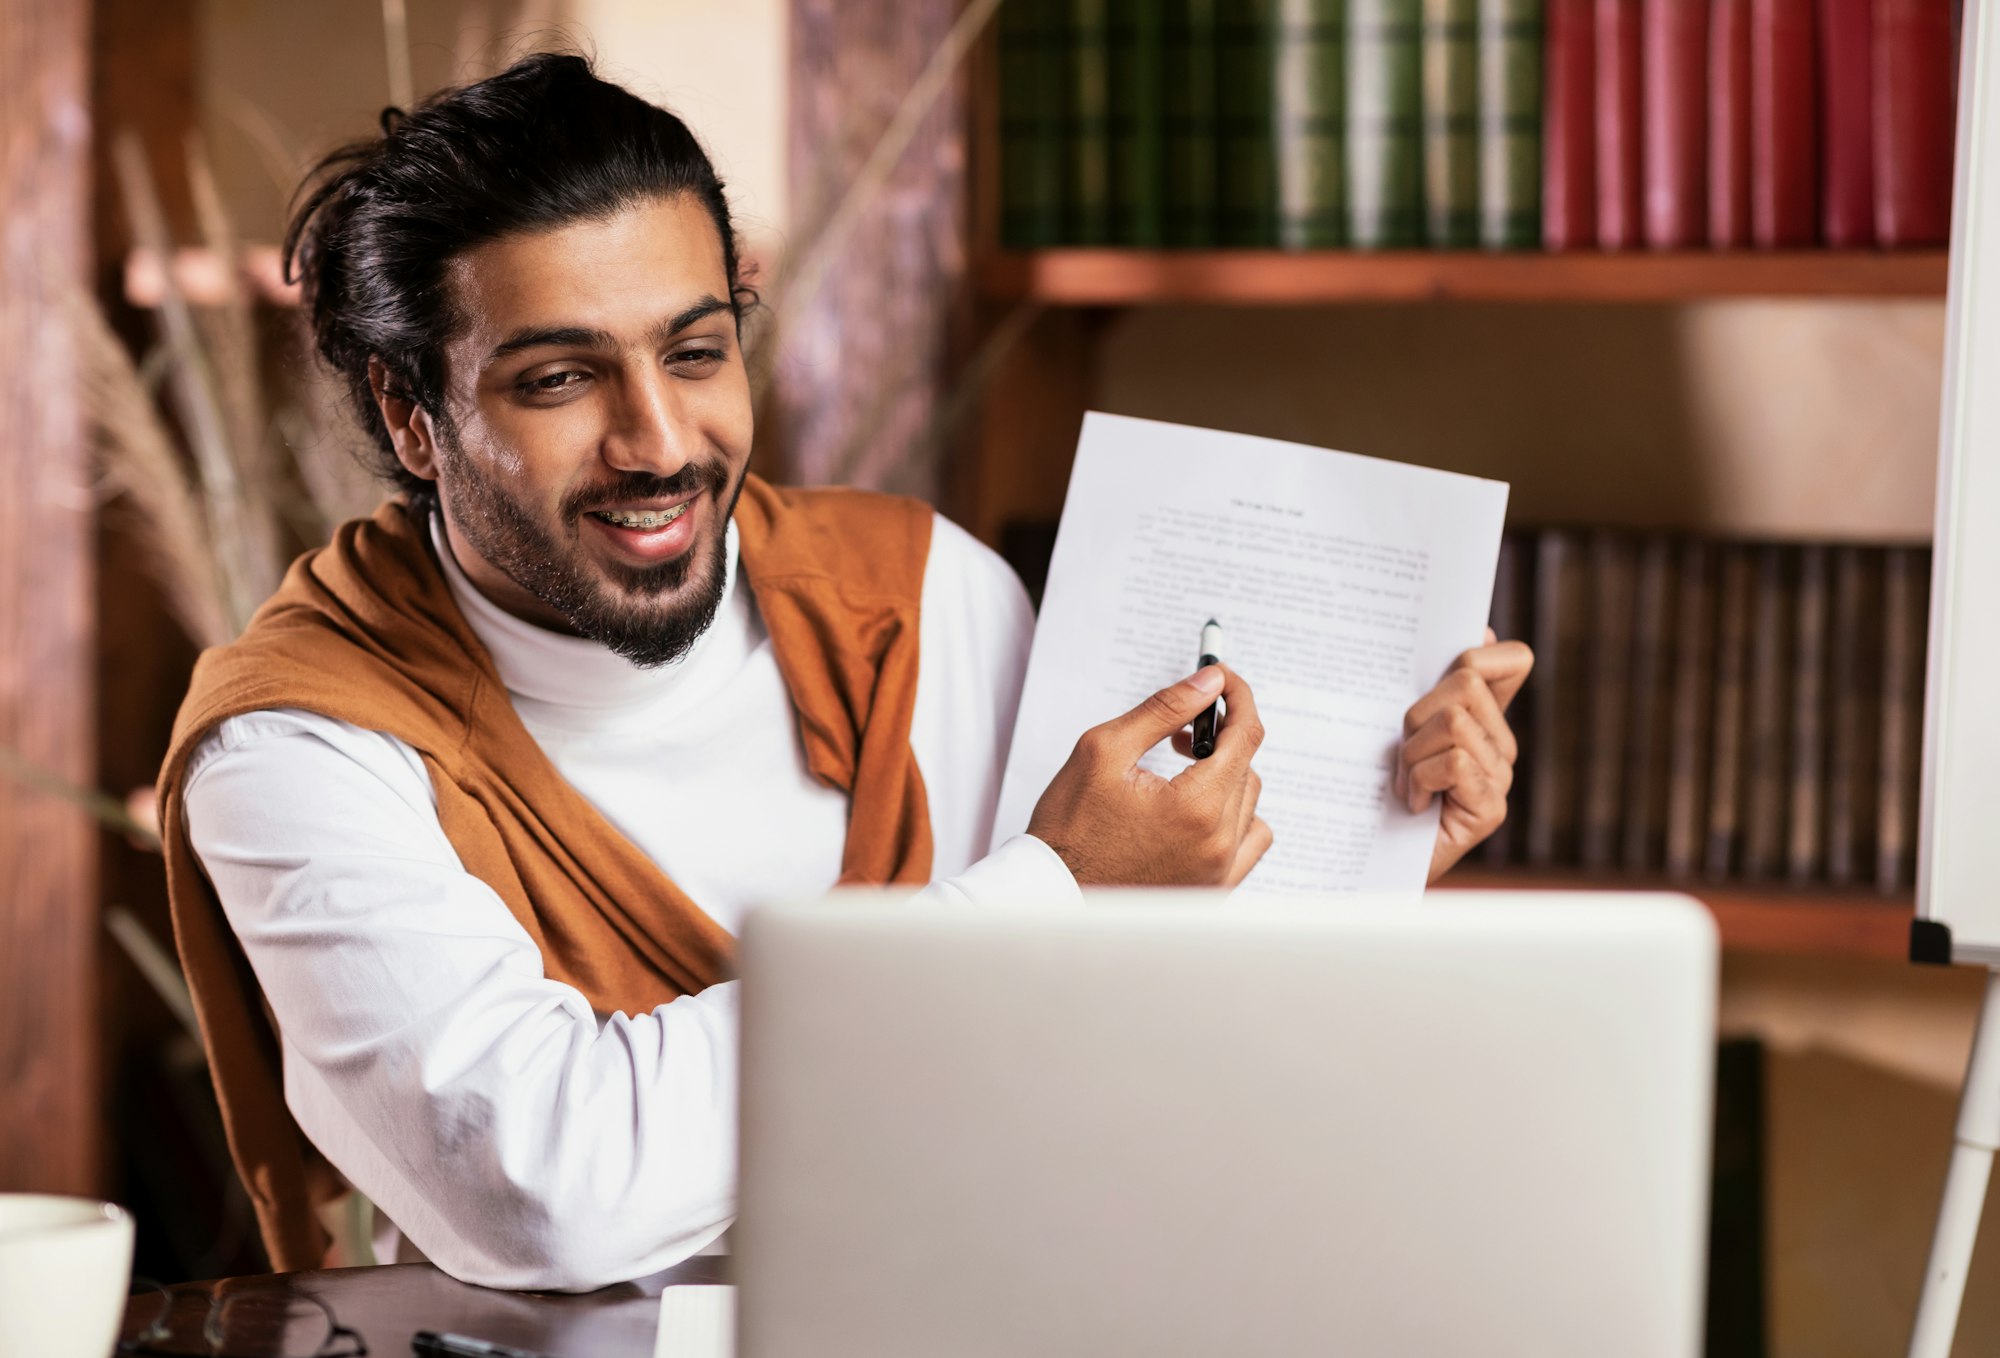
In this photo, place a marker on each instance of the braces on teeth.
(650, 519)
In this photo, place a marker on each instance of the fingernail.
(1207, 679)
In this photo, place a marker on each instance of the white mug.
(65, 1267)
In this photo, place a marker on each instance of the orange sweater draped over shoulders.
(365, 631)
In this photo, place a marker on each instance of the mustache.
(625, 487)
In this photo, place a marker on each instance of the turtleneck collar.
(569, 682)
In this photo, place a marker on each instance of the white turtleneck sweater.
(514, 1136)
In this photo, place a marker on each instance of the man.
(484, 791)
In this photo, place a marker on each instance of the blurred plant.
(259, 475)
(267, 468)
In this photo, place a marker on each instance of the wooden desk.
(267, 1313)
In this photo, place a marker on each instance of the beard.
(651, 615)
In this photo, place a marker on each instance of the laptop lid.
(1476, 1125)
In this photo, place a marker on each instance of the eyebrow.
(584, 337)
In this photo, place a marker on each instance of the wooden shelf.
(1122, 278)
(1769, 918)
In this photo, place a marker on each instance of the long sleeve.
(515, 1137)
(977, 627)
(516, 1140)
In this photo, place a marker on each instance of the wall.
(283, 82)
(1790, 418)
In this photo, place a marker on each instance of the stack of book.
(1406, 123)
(1777, 124)
(1710, 709)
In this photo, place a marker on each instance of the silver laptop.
(1479, 1125)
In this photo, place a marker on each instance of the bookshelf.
(1061, 304)
(1752, 917)
(1130, 278)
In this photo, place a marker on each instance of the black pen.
(431, 1344)
(1203, 743)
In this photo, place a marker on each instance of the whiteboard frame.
(1958, 837)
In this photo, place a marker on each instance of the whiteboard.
(1958, 864)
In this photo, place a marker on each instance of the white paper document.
(1345, 587)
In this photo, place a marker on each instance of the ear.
(409, 425)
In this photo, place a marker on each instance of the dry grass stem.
(277, 149)
(103, 806)
(396, 45)
(230, 332)
(329, 449)
(245, 543)
(139, 464)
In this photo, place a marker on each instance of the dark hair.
(540, 145)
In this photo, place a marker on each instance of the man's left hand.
(1457, 746)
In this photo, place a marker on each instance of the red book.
(1569, 128)
(1676, 70)
(1784, 151)
(1620, 222)
(1847, 114)
(1729, 124)
(1913, 121)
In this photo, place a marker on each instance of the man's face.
(598, 426)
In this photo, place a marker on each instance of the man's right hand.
(1116, 824)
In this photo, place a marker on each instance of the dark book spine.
(1620, 186)
(1510, 124)
(1190, 132)
(1853, 640)
(1898, 765)
(1087, 121)
(1913, 121)
(1846, 30)
(1693, 616)
(1248, 189)
(1729, 125)
(1808, 743)
(1646, 726)
(1451, 123)
(1138, 123)
(1676, 116)
(1569, 127)
(1507, 621)
(1725, 768)
(1031, 123)
(1610, 647)
(1550, 786)
(1310, 123)
(1784, 141)
(1384, 123)
(1764, 803)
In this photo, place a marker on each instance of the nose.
(652, 428)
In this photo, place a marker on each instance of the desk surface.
(269, 1313)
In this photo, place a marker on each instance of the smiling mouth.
(644, 520)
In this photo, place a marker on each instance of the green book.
(1451, 123)
(1190, 107)
(1138, 123)
(1087, 146)
(1309, 117)
(1031, 123)
(1384, 123)
(1247, 188)
(1510, 124)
